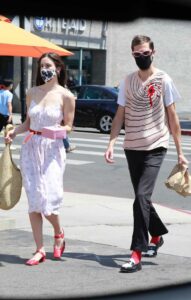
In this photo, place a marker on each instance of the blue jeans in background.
(66, 143)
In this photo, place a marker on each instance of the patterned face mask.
(47, 74)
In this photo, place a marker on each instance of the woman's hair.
(141, 39)
(58, 63)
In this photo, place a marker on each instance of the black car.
(95, 106)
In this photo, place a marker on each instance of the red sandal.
(58, 251)
(33, 262)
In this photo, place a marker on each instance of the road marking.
(96, 153)
(68, 161)
(100, 143)
(93, 140)
(78, 162)
(96, 146)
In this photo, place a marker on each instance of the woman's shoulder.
(67, 93)
(31, 90)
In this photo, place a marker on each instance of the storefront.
(102, 52)
(86, 39)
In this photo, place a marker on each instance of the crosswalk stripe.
(93, 140)
(68, 161)
(76, 162)
(96, 153)
(96, 146)
(101, 144)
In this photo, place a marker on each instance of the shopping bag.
(10, 178)
(179, 180)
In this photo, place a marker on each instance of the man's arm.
(176, 132)
(115, 130)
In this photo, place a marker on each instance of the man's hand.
(182, 160)
(109, 155)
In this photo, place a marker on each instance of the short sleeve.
(9, 97)
(171, 93)
(121, 100)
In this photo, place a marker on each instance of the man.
(6, 97)
(147, 108)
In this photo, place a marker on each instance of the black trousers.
(144, 167)
(3, 121)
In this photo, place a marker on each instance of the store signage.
(38, 23)
(73, 26)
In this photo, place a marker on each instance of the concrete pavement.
(98, 232)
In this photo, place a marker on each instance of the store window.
(78, 67)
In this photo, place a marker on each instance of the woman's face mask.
(47, 74)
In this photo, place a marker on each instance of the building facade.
(102, 52)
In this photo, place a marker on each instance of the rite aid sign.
(67, 26)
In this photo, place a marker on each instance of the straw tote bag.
(179, 180)
(10, 178)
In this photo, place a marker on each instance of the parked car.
(95, 106)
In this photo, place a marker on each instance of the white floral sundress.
(42, 162)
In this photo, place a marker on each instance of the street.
(87, 172)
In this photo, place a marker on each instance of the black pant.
(144, 167)
(3, 121)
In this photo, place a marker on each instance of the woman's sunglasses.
(144, 53)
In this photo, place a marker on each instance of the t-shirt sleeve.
(121, 100)
(9, 97)
(171, 94)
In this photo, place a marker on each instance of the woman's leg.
(55, 222)
(36, 224)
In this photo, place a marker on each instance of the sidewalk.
(98, 233)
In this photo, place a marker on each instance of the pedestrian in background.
(42, 159)
(6, 97)
(147, 108)
(68, 147)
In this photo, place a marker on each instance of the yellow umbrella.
(15, 41)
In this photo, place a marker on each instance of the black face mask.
(143, 62)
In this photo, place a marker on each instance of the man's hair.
(141, 39)
(7, 82)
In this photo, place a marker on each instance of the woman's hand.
(10, 135)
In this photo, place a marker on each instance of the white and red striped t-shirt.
(146, 123)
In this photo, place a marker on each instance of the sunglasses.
(144, 53)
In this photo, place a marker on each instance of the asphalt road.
(98, 177)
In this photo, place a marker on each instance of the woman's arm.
(69, 111)
(11, 134)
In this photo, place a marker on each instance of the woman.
(42, 159)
